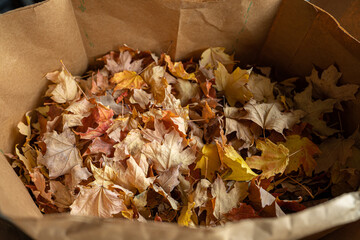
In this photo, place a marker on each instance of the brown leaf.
(244, 211)
(39, 180)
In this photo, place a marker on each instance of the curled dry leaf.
(65, 88)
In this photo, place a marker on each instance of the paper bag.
(291, 35)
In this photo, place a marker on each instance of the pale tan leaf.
(201, 193)
(186, 91)
(63, 198)
(269, 116)
(211, 56)
(170, 153)
(168, 179)
(261, 87)
(227, 200)
(65, 88)
(80, 109)
(61, 153)
(140, 97)
(97, 201)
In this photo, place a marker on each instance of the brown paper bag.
(290, 35)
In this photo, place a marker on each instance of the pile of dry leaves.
(146, 138)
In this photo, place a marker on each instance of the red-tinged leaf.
(291, 205)
(101, 145)
(263, 201)
(244, 211)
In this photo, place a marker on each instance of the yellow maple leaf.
(177, 69)
(301, 152)
(211, 56)
(186, 214)
(273, 160)
(233, 84)
(128, 80)
(240, 170)
(209, 162)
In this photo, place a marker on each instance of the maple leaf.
(80, 109)
(177, 69)
(227, 200)
(140, 97)
(131, 145)
(234, 123)
(315, 110)
(269, 116)
(154, 76)
(171, 103)
(273, 160)
(63, 198)
(211, 56)
(244, 211)
(65, 88)
(240, 170)
(168, 179)
(209, 162)
(39, 180)
(263, 201)
(169, 153)
(97, 201)
(233, 84)
(333, 150)
(261, 87)
(61, 153)
(325, 87)
(131, 177)
(301, 152)
(123, 62)
(100, 145)
(101, 117)
(127, 80)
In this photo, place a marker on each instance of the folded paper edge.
(292, 226)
